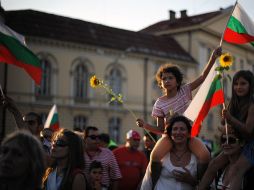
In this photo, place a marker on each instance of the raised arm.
(159, 129)
(198, 81)
(246, 129)
(10, 105)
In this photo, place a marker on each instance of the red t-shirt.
(132, 165)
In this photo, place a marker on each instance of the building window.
(44, 90)
(114, 129)
(80, 122)
(81, 79)
(115, 82)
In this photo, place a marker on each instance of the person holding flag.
(239, 114)
(176, 100)
(30, 121)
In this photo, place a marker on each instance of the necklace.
(179, 157)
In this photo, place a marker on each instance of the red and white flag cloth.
(209, 95)
(13, 51)
(240, 28)
(52, 119)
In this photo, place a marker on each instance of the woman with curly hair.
(176, 98)
(179, 165)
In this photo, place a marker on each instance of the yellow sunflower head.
(226, 60)
(94, 82)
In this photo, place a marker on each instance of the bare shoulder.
(79, 182)
(251, 109)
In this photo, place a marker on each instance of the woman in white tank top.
(179, 170)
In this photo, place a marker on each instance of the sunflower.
(94, 82)
(226, 60)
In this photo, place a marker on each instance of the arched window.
(115, 82)
(80, 122)
(44, 90)
(81, 78)
(114, 128)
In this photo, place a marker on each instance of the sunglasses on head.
(60, 143)
(231, 140)
(93, 137)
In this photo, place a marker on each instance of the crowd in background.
(35, 157)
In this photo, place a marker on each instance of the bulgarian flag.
(209, 95)
(52, 119)
(13, 51)
(240, 28)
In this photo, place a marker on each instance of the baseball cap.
(133, 134)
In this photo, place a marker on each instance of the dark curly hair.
(169, 68)
(94, 165)
(175, 119)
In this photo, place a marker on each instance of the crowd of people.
(34, 157)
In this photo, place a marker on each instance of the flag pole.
(224, 107)
(221, 40)
(2, 92)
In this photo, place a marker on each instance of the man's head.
(148, 141)
(34, 123)
(104, 140)
(132, 139)
(91, 138)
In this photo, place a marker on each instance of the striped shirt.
(111, 169)
(178, 103)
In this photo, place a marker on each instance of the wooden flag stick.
(224, 107)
